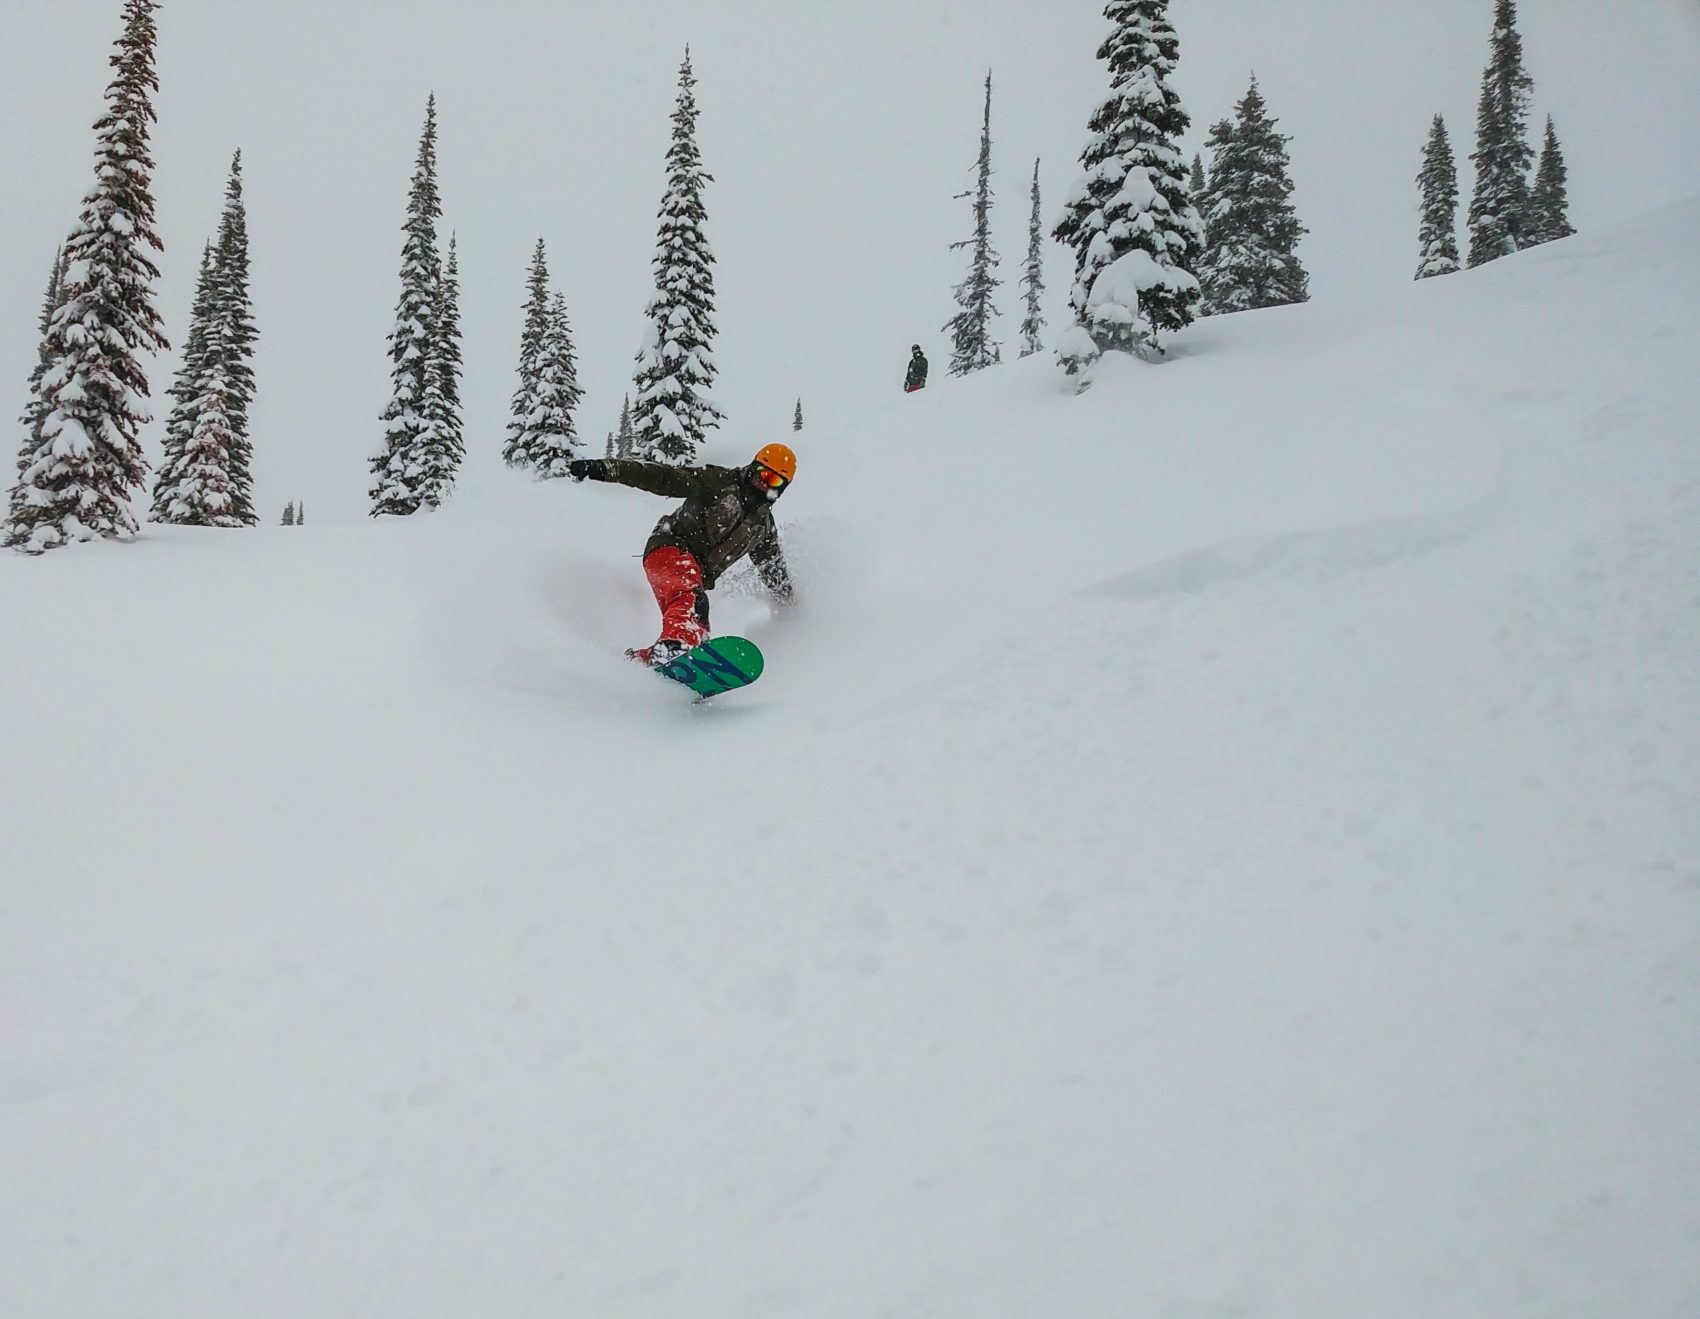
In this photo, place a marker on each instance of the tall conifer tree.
(625, 439)
(446, 366)
(410, 471)
(185, 391)
(533, 333)
(206, 479)
(970, 330)
(1549, 200)
(551, 437)
(1438, 185)
(36, 410)
(1503, 155)
(1198, 181)
(237, 335)
(1033, 277)
(77, 482)
(216, 359)
(1130, 221)
(542, 434)
(1251, 229)
(797, 417)
(674, 410)
(196, 483)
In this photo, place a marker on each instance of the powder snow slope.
(1223, 844)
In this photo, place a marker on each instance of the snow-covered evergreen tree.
(300, 512)
(625, 439)
(1251, 229)
(797, 417)
(236, 336)
(675, 366)
(1549, 200)
(78, 480)
(1199, 181)
(216, 360)
(541, 432)
(1130, 221)
(194, 485)
(36, 410)
(446, 366)
(185, 391)
(411, 471)
(289, 514)
(970, 330)
(551, 440)
(203, 493)
(1503, 154)
(532, 335)
(1033, 277)
(1437, 184)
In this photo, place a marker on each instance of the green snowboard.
(722, 664)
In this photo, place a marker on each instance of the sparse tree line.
(1156, 242)
(1509, 209)
(81, 464)
(664, 417)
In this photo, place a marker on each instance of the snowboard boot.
(662, 652)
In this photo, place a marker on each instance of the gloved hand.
(580, 468)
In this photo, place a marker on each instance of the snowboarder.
(917, 377)
(727, 513)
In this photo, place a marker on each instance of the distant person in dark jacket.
(917, 377)
(727, 513)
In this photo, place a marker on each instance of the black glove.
(580, 468)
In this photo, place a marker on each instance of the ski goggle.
(768, 477)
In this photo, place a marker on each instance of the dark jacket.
(724, 517)
(917, 376)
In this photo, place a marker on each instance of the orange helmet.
(778, 458)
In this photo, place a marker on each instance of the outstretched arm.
(657, 478)
(770, 563)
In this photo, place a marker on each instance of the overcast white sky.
(837, 134)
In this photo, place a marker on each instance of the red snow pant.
(676, 578)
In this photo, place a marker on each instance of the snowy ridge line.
(1315, 555)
